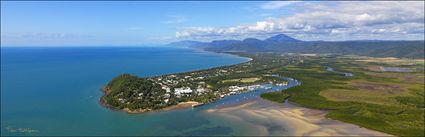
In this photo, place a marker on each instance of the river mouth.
(250, 96)
(267, 118)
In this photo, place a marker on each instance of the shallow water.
(266, 118)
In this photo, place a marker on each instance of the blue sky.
(142, 23)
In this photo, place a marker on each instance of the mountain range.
(282, 43)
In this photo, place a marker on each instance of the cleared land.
(243, 80)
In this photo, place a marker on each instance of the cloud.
(330, 21)
(175, 19)
(277, 4)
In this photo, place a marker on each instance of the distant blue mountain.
(281, 38)
(282, 43)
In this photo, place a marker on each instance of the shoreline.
(292, 120)
(248, 59)
(181, 105)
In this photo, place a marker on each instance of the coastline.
(248, 59)
(181, 105)
(288, 119)
(297, 117)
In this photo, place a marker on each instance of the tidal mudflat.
(269, 118)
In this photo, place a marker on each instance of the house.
(121, 100)
(167, 95)
(182, 90)
(201, 90)
(167, 89)
(236, 88)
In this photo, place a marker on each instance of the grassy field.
(391, 102)
(243, 80)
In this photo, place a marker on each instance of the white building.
(201, 90)
(167, 89)
(166, 95)
(121, 100)
(254, 87)
(182, 90)
(236, 88)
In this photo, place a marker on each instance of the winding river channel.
(248, 96)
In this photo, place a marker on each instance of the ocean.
(55, 91)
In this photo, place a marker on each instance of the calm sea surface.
(55, 91)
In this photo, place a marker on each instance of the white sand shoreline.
(271, 118)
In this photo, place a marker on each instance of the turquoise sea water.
(55, 91)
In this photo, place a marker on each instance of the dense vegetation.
(384, 101)
(276, 96)
(126, 88)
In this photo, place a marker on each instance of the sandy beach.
(271, 119)
(181, 105)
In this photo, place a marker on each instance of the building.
(167, 89)
(236, 88)
(182, 90)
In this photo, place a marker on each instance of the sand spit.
(275, 119)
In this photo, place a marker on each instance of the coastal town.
(198, 87)
(333, 80)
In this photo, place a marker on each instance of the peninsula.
(380, 93)
(134, 94)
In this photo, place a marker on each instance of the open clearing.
(243, 80)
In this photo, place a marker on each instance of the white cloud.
(277, 4)
(330, 21)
